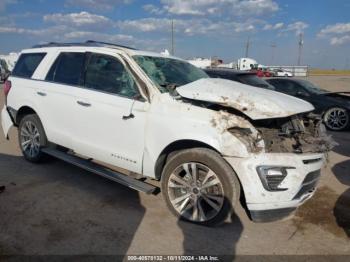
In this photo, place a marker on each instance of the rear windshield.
(27, 64)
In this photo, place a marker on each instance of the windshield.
(311, 87)
(254, 80)
(168, 71)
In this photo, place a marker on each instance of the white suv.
(154, 116)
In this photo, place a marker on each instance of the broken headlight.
(272, 176)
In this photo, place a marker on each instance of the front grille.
(309, 184)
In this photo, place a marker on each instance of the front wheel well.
(174, 147)
(22, 112)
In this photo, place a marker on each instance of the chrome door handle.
(41, 93)
(83, 103)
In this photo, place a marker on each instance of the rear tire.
(199, 186)
(32, 138)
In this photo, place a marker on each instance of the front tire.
(32, 138)
(336, 119)
(200, 187)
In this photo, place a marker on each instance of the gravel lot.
(55, 208)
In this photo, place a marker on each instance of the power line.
(346, 67)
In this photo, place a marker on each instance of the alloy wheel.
(30, 139)
(336, 118)
(195, 192)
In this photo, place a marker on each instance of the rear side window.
(27, 64)
(67, 69)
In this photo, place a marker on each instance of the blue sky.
(203, 28)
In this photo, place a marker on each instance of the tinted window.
(67, 69)
(27, 64)
(287, 87)
(107, 74)
(222, 74)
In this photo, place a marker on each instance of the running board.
(102, 171)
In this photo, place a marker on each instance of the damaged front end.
(302, 133)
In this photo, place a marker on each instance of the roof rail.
(87, 43)
(108, 44)
(54, 44)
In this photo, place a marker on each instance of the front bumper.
(300, 182)
(271, 214)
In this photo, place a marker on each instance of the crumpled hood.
(256, 103)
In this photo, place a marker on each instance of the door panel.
(102, 133)
(110, 123)
(57, 102)
(56, 96)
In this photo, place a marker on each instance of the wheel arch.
(22, 112)
(174, 147)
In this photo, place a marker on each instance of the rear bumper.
(6, 121)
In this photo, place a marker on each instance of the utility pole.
(273, 46)
(172, 37)
(301, 44)
(247, 46)
(346, 67)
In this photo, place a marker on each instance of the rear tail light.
(7, 87)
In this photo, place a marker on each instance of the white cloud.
(145, 25)
(297, 27)
(188, 27)
(337, 34)
(258, 7)
(212, 7)
(339, 28)
(65, 33)
(340, 40)
(273, 27)
(152, 9)
(78, 19)
(56, 30)
(103, 5)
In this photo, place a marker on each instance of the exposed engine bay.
(303, 133)
(300, 133)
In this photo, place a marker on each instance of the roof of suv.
(96, 44)
(90, 43)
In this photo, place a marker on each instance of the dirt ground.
(58, 209)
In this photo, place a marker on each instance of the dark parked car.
(334, 106)
(244, 77)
